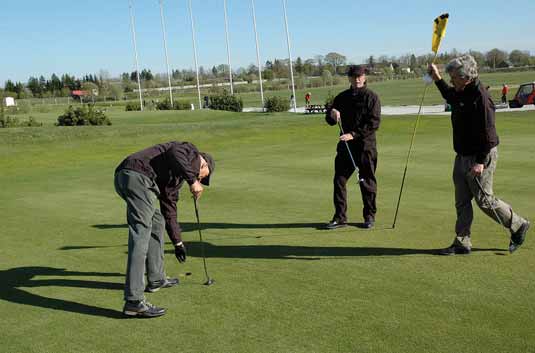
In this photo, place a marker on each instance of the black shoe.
(335, 224)
(368, 224)
(164, 283)
(454, 250)
(142, 308)
(518, 237)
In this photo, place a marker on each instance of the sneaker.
(164, 283)
(518, 237)
(455, 250)
(142, 308)
(335, 224)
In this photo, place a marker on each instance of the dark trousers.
(366, 160)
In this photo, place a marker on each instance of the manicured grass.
(281, 284)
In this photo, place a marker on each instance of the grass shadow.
(13, 280)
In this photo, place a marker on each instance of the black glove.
(180, 252)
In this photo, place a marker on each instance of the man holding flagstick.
(475, 141)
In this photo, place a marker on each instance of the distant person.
(206, 102)
(156, 173)
(359, 111)
(307, 98)
(292, 101)
(475, 141)
(505, 90)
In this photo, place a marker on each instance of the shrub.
(276, 104)
(85, 115)
(177, 105)
(14, 122)
(226, 102)
(132, 106)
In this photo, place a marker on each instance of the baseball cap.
(356, 70)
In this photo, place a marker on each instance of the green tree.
(495, 58)
(519, 57)
(335, 59)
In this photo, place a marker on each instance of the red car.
(525, 95)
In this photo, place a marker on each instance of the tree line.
(325, 66)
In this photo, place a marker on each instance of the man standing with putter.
(475, 141)
(156, 172)
(357, 111)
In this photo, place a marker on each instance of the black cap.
(356, 70)
(211, 166)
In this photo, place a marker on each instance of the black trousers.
(366, 160)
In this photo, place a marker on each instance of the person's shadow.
(195, 249)
(12, 282)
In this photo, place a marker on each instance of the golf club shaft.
(200, 237)
(349, 151)
(410, 150)
(488, 201)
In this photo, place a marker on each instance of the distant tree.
(298, 65)
(519, 57)
(214, 71)
(478, 57)
(371, 62)
(55, 83)
(9, 86)
(495, 57)
(335, 59)
(327, 77)
(413, 62)
(267, 74)
(34, 87)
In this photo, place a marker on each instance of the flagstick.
(410, 148)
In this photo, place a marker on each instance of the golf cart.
(524, 95)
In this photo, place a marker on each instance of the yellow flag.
(439, 30)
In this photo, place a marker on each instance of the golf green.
(282, 285)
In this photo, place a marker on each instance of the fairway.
(282, 285)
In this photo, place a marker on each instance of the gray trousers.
(145, 232)
(466, 189)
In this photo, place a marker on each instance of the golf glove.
(180, 253)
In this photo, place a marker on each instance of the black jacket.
(472, 118)
(168, 164)
(360, 114)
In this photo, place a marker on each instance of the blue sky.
(79, 37)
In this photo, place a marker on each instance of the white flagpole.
(290, 56)
(166, 53)
(228, 48)
(258, 56)
(133, 26)
(195, 52)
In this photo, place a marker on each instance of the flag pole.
(438, 34)
(133, 27)
(228, 48)
(258, 55)
(166, 53)
(195, 53)
(290, 56)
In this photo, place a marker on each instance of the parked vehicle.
(524, 95)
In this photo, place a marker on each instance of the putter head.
(209, 282)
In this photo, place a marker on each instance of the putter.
(209, 281)
(359, 179)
